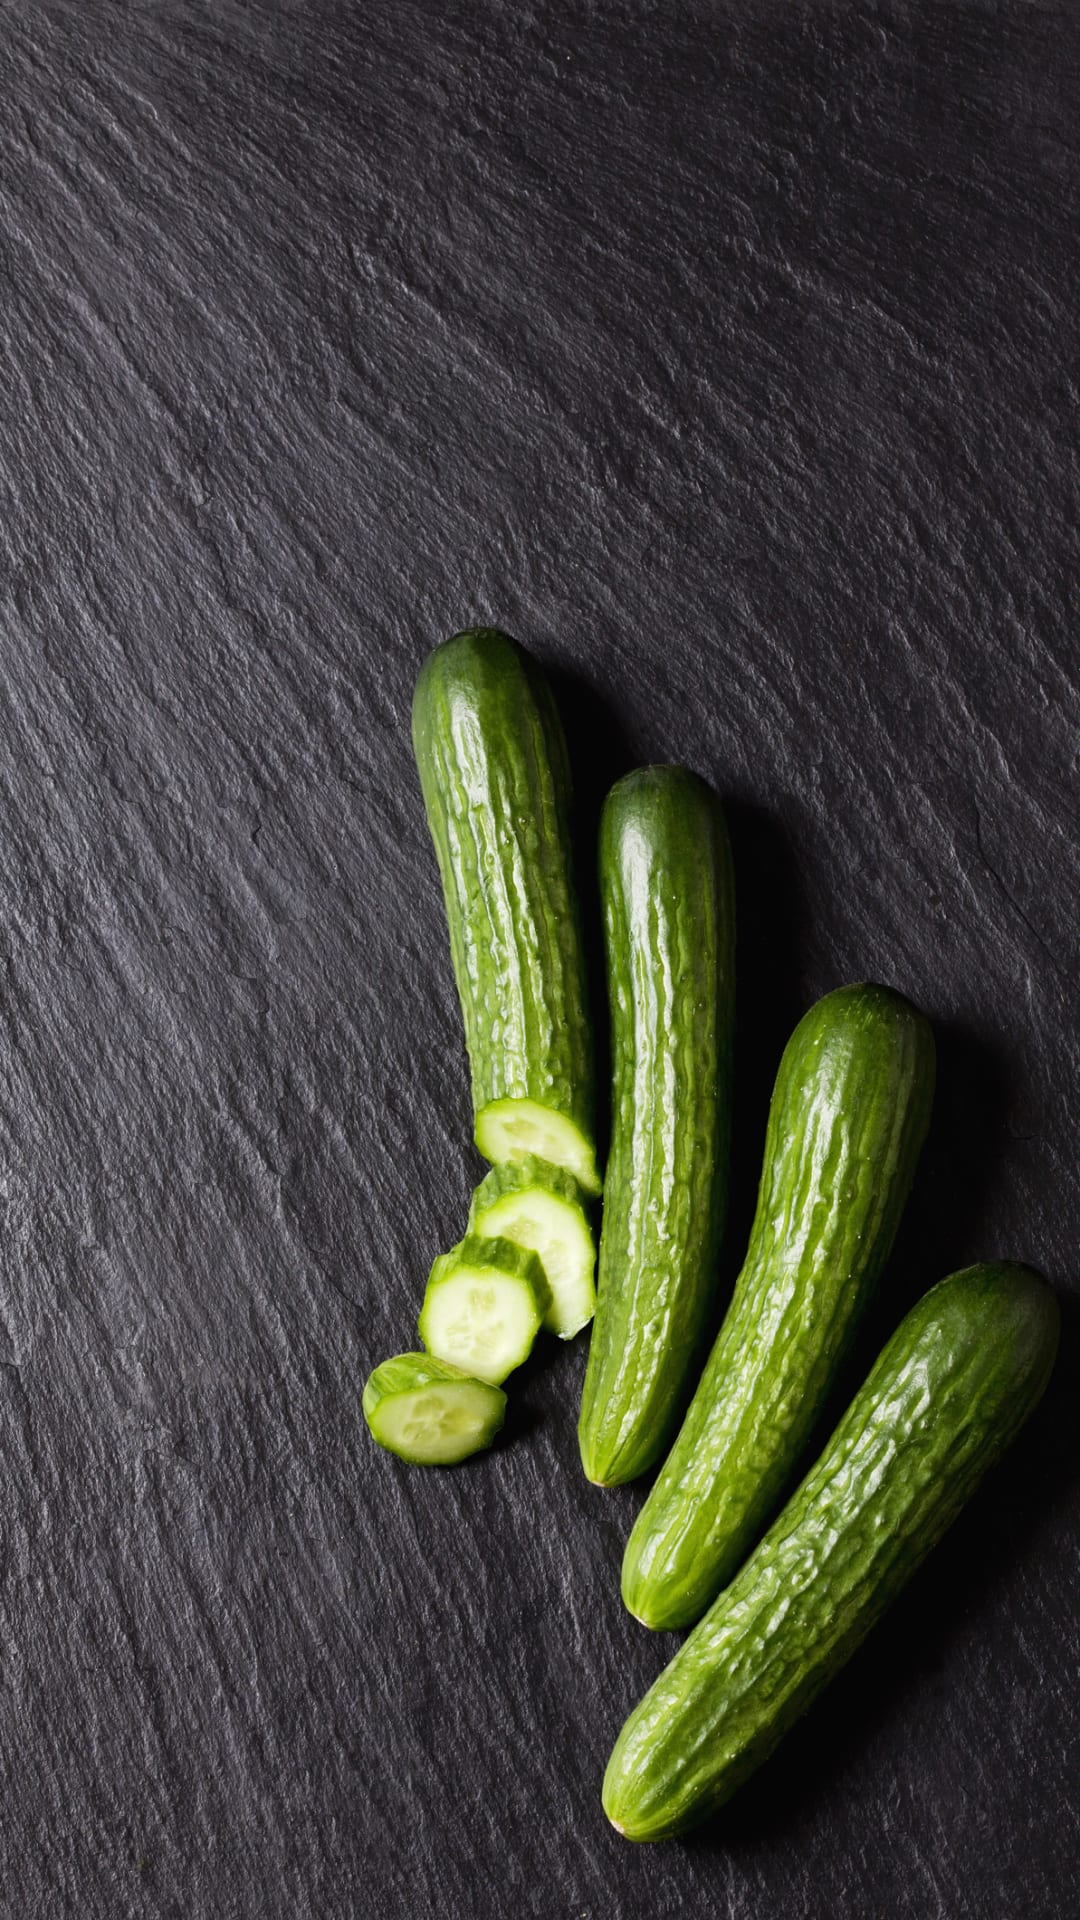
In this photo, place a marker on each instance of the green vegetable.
(948, 1394)
(669, 923)
(483, 1307)
(431, 1413)
(495, 777)
(848, 1116)
(539, 1206)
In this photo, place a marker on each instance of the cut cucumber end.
(429, 1413)
(484, 1306)
(511, 1130)
(557, 1231)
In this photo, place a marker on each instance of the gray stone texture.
(727, 355)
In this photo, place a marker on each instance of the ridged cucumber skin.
(494, 771)
(519, 1177)
(947, 1396)
(668, 899)
(849, 1113)
(502, 1256)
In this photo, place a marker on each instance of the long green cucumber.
(948, 1394)
(848, 1116)
(669, 924)
(495, 776)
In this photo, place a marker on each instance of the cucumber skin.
(520, 1176)
(948, 1394)
(848, 1117)
(495, 776)
(668, 898)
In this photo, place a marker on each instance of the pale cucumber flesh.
(437, 1426)
(558, 1233)
(512, 1130)
(428, 1412)
(481, 1320)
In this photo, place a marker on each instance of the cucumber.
(669, 927)
(948, 1394)
(538, 1206)
(495, 776)
(483, 1307)
(431, 1413)
(848, 1116)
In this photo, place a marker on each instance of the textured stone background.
(730, 361)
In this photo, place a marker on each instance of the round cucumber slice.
(484, 1305)
(510, 1130)
(539, 1206)
(429, 1412)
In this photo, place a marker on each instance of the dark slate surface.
(730, 362)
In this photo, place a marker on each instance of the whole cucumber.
(495, 777)
(948, 1394)
(667, 894)
(848, 1116)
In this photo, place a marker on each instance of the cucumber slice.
(484, 1305)
(508, 1131)
(538, 1206)
(431, 1413)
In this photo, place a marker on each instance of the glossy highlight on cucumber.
(667, 893)
(493, 768)
(848, 1116)
(948, 1394)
